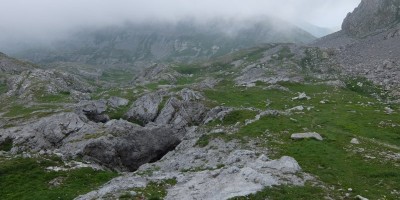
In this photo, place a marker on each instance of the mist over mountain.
(182, 40)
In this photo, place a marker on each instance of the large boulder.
(94, 110)
(145, 109)
(118, 144)
(130, 146)
(36, 83)
(181, 113)
(48, 133)
(115, 102)
(371, 15)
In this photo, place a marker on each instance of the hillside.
(186, 40)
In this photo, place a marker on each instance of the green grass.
(185, 80)
(204, 140)
(188, 69)
(123, 92)
(235, 116)
(154, 86)
(26, 178)
(365, 87)
(6, 145)
(21, 111)
(118, 113)
(3, 88)
(54, 98)
(227, 94)
(117, 76)
(345, 114)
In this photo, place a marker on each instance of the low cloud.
(46, 20)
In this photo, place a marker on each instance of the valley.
(277, 119)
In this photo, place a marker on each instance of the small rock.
(359, 197)
(302, 96)
(132, 193)
(216, 131)
(284, 164)
(350, 189)
(56, 182)
(233, 170)
(116, 102)
(388, 110)
(299, 136)
(297, 108)
(354, 141)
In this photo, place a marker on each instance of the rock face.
(94, 110)
(13, 66)
(32, 84)
(180, 110)
(370, 16)
(118, 145)
(156, 73)
(48, 133)
(115, 102)
(145, 109)
(244, 172)
(131, 146)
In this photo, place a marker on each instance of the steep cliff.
(370, 16)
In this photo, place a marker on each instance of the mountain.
(314, 30)
(157, 41)
(11, 65)
(370, 16)
(274, 121)
(368, 44)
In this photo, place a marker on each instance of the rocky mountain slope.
(184, 40)
(368, 44)
(274, 121)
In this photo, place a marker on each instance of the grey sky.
(41, 19)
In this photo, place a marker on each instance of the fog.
(46, 20)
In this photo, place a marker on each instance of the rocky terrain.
(276, 121)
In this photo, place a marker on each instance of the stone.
(56, 182)
(94, 110)
(190, 95)
(145, 109)
(284, 164)
(388, 110)
(115, 102)
(217, 113)
(354, 141)
(359, 197)
(300, 136)
(297, 108)
(132, 147)
(302, 96)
